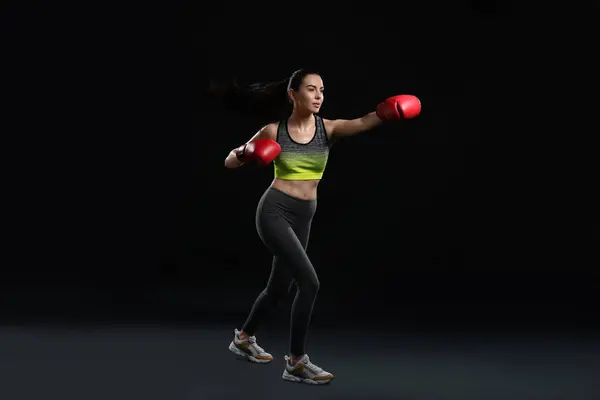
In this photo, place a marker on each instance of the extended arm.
(394, 108)
(346, 127)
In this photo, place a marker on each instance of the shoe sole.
(291, 378)
(245, 356)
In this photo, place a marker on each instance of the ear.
(291, 95)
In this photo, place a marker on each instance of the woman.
(298, 143)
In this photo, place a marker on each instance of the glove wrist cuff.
(381, 112)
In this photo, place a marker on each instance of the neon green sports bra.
(302, 162)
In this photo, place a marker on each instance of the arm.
(394, 108)
(266, 132)
(347, 127)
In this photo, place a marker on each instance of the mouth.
(317, 105)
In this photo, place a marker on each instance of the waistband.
(284, 197)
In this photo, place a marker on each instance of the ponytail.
(265, 100)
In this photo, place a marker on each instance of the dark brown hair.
(266, 100)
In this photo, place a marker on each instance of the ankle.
(243, 335)
(294, 359)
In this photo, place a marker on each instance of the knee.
(309, 286)
(316, 285)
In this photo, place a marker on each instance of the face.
(309, 97)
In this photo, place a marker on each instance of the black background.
(479, 211)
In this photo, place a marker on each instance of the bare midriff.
(305, 190)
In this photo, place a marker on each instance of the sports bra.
(298, 161)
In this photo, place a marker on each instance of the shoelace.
(313, 367)
(252, 340)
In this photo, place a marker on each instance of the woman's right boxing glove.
(263, 151)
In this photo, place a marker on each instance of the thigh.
(288, 249)
(302, 231)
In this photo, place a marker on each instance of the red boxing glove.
(263, 151)
(399, 107)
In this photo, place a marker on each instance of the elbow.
(231, 161)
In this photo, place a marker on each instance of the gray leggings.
(283, 223)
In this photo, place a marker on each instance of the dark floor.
(147, 362)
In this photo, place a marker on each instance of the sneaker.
(249, 349)
(305, 372)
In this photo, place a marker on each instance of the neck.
(302, 121)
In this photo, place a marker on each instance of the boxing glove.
(399, 107)
(263, 151)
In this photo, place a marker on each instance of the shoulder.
(269, 131)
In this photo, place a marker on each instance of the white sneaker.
(249, 349)
(305, 372)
